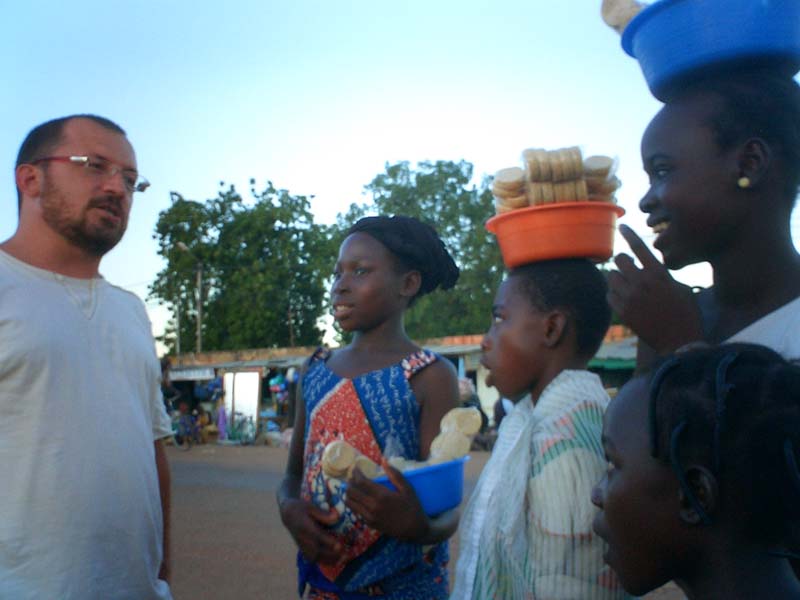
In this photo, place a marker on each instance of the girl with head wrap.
(385, 396)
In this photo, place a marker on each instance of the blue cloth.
(377, 413)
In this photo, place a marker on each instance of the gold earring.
(744, 182)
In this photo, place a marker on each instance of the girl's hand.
(308, 525)
(662, 312)
(396, 514)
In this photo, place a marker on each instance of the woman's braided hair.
(734, 408)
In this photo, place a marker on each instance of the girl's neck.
(371, 350)
(762, 274)
(387, 337)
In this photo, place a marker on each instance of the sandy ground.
(227, 536)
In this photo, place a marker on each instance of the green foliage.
(266, 264)
(442, 194)
(263, 269)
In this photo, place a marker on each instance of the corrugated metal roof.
(619, 354)
(624, 349)
(457, 350)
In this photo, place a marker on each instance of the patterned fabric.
(527, 531)
(378, 414)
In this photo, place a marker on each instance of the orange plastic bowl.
(559, 230)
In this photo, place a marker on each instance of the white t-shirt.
(779, 330)
(80, 407)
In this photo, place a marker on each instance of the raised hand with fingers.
(663, 312)
(397, 514)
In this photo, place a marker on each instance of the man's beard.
(95, 240)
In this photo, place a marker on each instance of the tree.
(263, 269)
(442, 194)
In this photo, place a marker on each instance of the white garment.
(527, 530)
(80, 407)
(779, 330)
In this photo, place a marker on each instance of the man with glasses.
(84, 481)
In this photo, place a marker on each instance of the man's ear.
(703, 486)
(555, 328)
(412, 281)
(753, 161)
(29, 180)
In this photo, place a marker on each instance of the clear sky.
(317, 96)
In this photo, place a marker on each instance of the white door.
(243, 393)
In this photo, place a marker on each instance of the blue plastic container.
(439, 487)
(676, 39)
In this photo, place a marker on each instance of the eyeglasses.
(101, 168)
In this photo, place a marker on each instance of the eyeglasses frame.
(111, 170)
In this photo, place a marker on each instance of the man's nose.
(648, 201)
(340, 284)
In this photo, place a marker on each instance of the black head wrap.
(416, 245)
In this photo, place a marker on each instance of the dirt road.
(228, 540)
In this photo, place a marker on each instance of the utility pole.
(199, 293)
(199, 306)
(178, 328)
(291, 328)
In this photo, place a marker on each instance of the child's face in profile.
(511, 347)
(692, 182)
(638, 498)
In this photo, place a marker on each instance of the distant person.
(527, 529)
(723, 157)
(386, 396)
(169, 392)
(84, 492)
(703, 486)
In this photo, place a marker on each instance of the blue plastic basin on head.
(672, 39)
(439, 487)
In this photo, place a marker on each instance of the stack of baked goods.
(551, 176)
(601, 182)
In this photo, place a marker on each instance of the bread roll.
(449, 445)
(602, 186)
(598, 166)
(509, 182)
(537, 164)
(467, 420)
(519, 201)
(338, 458)
(367, 466)
(618, 13)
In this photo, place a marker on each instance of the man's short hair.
(43, 137)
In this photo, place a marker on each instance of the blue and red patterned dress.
(378, 414)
